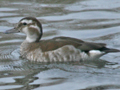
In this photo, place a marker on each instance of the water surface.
(90, 20)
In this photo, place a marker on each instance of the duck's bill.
(13, 30)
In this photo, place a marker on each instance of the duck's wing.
(87, 46)
(58, 42)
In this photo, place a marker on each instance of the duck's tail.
(109, 50)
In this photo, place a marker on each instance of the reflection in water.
(104, 87)
(91, 20)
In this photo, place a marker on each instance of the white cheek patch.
(26, 21)
(36, 27)
(25, 30)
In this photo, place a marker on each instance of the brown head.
(31, 27)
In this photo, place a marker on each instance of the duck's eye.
(24, 23)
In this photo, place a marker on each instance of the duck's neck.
(32, 35)
(32, 38)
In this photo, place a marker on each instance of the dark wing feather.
(57, 42)
(86, 46)
(53, 44)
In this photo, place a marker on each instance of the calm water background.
(93, 20)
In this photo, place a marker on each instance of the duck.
(57, 49)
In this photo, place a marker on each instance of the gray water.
(90, 20)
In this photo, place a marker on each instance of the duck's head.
(30, 26)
